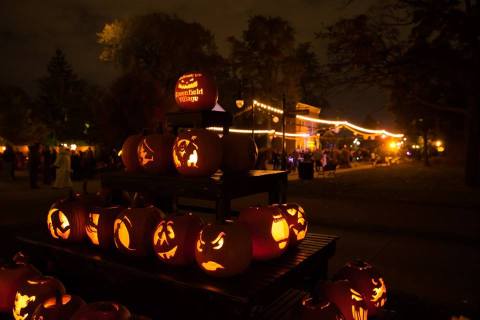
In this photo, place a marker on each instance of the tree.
(425, 53)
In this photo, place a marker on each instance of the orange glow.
(212, 266)
(280, 231)
(61, 231)
(219, 240)
(121, 232)
(162, 234)
(92, 227)
(145, 153)
(53, 301)
(361, 313)
(377, 297)
(185, 153)
(21, 302)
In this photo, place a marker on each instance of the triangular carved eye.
(292, 211)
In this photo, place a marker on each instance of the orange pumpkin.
(224, 249)
(67, 217)
(269, 231)
(349, 301)
(296, 219)
(196, 91)
(197, 152)
(175, 238)
(99, 226)
(58, 308)
(129, 153)
(239, 153)
(154, 153)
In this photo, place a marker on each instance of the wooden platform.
(146, 283)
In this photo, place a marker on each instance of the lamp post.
(284, 143)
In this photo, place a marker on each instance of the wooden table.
(146, 284)
(220, 188)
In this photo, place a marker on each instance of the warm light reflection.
(92, 227)
(21, 302)
(51, 302)
(280, 231)
(122, 234)
(379, 292)
(211, 266)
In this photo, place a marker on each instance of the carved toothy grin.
(168, 254)
(212, 266)
(188, 85)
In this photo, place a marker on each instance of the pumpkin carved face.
(196, 91)
(269, 231)
(133, 230)
(296, 219)
(197, 153)
(349, 301)
(174, 239)
(66, 219)
(33, 293)
(154, 153)
(367, 281)
(61, 307)
(99, 227)
(102, 311)
(224, 249)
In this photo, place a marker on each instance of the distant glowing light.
(438, 143)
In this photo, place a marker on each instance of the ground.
(420, 226)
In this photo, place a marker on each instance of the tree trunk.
(472, 158)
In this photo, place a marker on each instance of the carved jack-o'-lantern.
(154, 153)
(366, 280)
(12, 277)
(102, 311)
(129, 153)
(133, 230)
(197, 152)
(196, 91)
(296, 219)
(224, 249)
(349, 301)
(66, 219)
(99, 227)
(313, 310)
(269, 231)
(175, 238)
(33, 293)
(58, 308)
(239, 153)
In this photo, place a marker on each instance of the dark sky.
(31, 30)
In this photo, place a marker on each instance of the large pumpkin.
(323, 309)
(66, 218)
(33, 293)
(224, 249)
(239, 153)
(349, 301)
(61, 307)
(197, 152)
(102, 311)
(12, 277)
(175, 238)
(154, 153)
(269, 231)
(296, 219)
(129, 153)
(133, 230)
(366, 280)
(196, 91)
(99, 227)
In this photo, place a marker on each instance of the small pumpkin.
(297, 221)
(61, 307)
(129, 153)
(104, 310)
(196, 91)
(154, 153)
(99, 227)
(322, 309)
(269, 231)
(133, 230)
(366, 280)
(197, 152)
(12, 277)
(175, 238)
(349, 301)
(224, 249)
(240, 153)
(33, 293)
(67, 217)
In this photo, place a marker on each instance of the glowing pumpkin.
(297, 221)
(102, 311)
(269, 231)
(133, 230)
(313, 310)
(239, 153)
(224, 250)
(129, 153)
(12, 277)
(175, 238)
(196, 91)
(154, 153)
(58, 308)
(350, 302)
(99, 227)
(66, 219)
(197, 152)
(366, 280)
(33, 293)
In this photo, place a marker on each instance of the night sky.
(31, 30)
